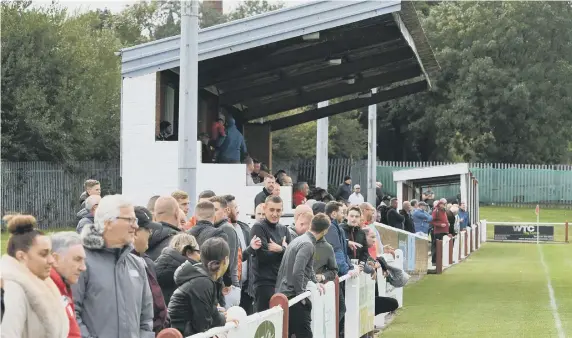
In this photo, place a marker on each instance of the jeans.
(300, 320)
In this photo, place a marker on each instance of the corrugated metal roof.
(252, 32)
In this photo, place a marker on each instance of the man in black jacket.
(166, 213)
(296, 269)
(344, 190)
(407, 220)
(245, 253)
(394, 219)
(274, 238)
(269, 182)
(355, 234)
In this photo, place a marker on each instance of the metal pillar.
(372, 151)
(322, 150)
(188, 100)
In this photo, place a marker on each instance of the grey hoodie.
(233, 243)
(112, 298)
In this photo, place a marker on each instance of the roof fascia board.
(407, 36)
(253, 32)
(429, 172)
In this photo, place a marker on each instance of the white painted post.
(400, 194)
(188, 100)
(372, 152)
(322, 150)
(464, 190)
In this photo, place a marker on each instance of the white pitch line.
(553, 305)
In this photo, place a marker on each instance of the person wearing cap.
(140, 245)
(421, 219)
(344, 190)
(356, 198)
(440, 227)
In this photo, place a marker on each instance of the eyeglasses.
(131, 220)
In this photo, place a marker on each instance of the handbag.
(396, 276)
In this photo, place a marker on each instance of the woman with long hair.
(34, 308)
(193, 308)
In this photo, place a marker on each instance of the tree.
(503, 94)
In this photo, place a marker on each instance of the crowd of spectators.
(166, 270)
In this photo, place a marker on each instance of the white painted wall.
(149, 167)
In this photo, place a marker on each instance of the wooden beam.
(284, 104)
(332, 72)
(338, 108)
(358, 38)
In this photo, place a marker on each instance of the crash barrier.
(359, 318)
(453, 250)
(415, 248)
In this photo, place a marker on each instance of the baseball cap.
(145, 219)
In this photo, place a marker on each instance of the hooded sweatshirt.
(193, 306)
(267, 263)
(160, 239)
(233, 145)
(112, 298)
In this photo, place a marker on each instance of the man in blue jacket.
(421, 219)
(232, 147)
(337, 239)
(464, 219)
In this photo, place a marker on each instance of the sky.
(117, 5)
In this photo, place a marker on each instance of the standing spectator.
(280, 174)
(259, 213)
(354, 233)
(382, 210)
(276, 190)
(91, 204)
(91, 188)
(302, 218)
(167, 214)
(378, 192)
(301, 190)
(421, 219)
(204, 229)
(407, 221)
(464, 218)
(182, 248)
(112, 298)
(182, 199)
(269, 183)
(232, 279)
(151, 205)
(140, 245)
(287, 181)
(232, 148)
(69, 263)
(394, 219)
(414, 204)
(193, 307)
(344, 190)
(258, 173)
(245, 251)
(337, 238)
(274, 238)
(249, 168)
(440, 227)
(296, 269)
(33, 303)
(203, 196)
(428, 196)
(166, 132)
(356, 198)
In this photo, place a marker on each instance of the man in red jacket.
(69, 263)
(440, 227)
(301, 190)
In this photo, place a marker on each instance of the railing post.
(466, 241)
(337, 292)
(439, 262)
(477, 238)
(566, 232)
(281, 300)
(451, 241)
(170, 333)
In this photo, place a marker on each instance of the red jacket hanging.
(67, 299)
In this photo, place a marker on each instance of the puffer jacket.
(160, 239)
(82, 213)
(112, 298)
(88, 219)
(193, 306)
(204, 230)
(165, 267)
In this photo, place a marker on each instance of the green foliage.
(503, 94)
